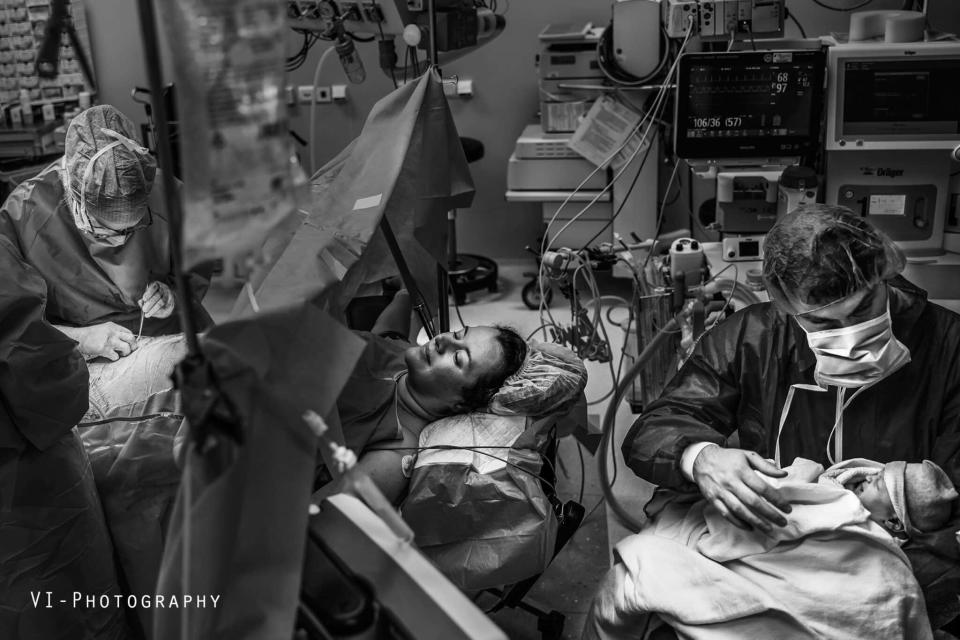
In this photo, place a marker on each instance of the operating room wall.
(118, 58)
(117, 53)
(504, 101)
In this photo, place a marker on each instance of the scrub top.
(367, 403)
(88, 282)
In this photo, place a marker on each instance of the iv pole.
(420, 306)
(210, 411)
(443, 281)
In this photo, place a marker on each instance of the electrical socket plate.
(305, 93)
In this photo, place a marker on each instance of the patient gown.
(366, 404)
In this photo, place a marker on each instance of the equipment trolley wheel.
(531, 294)
(471, 273)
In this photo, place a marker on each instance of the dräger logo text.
(882, 172)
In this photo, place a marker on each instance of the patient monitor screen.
(749, 103)
(889, 99)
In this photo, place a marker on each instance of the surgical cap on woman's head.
(115, 189)
(549, 381)
(818, 254)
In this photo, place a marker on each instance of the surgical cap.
(117, 187)
(818, 254)
(549, 381)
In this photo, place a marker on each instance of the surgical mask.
(834, 452)
(858, 355)
(113, 241)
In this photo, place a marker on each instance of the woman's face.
(442, 368)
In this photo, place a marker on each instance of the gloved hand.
(108, 340)
(157, 301)
(727, 478)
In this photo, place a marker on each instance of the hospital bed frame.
(366, 582)
(570, 515)
(361, 579)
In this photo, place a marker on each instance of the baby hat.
(921, 493)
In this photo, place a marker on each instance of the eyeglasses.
(106, 233)
(866, 302)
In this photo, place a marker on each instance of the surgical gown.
(88, 282)
(53, 537)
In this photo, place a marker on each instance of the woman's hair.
(514, 349)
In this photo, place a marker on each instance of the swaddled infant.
(904, 498)
(834, 570)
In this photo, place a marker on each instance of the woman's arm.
(384, 464)
(395, 319)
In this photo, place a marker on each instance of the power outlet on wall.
(305, 93)
(308, 94)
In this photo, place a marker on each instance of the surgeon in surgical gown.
(96, 230)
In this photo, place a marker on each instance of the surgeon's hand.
(108, 340)
(157, 301)
(728, 480)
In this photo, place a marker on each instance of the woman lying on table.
(397, 388)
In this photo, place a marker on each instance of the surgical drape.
(408, 165)
(248, 522)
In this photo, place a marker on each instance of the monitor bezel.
(705, 149)
(841, 54)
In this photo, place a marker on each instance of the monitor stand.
(745, 192)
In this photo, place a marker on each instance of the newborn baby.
(835, 570)
(904, 498)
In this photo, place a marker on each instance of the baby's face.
(872, 491)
